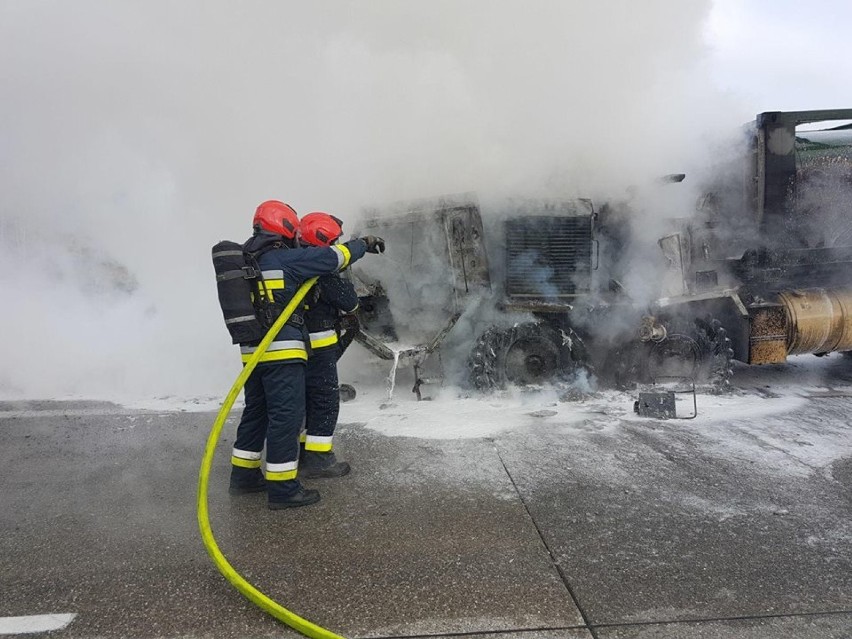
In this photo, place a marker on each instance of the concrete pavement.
(611, 528)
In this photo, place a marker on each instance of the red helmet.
(320, 229)
(277, 217)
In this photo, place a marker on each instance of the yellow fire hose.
(237, 581)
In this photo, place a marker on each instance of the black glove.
(374, 244)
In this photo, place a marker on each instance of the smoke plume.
(135, 135)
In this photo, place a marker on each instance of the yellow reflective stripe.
(274, 284)
(343, 256)
(319, 443)
(302, 436)
(346, 255)
(275, 356)
(282, 471)
(281, 476)
(325, 341)
(245, 463)
(246, 454)
(279, 345)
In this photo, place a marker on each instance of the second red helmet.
(320, 229)
(277, 217)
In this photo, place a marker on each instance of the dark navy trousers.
(275, 407)
(322, 400)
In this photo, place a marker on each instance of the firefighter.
(275, 391)
(333, 296)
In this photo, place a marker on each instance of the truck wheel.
(523, 355)
(626, 365)
(699, 349)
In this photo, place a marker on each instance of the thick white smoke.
(134, 135)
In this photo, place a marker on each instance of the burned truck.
(759, 271)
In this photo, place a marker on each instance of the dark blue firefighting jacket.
(334, 295)
(284, 270)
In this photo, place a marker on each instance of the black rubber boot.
(302, 497)
(315, 465)
(246, 480)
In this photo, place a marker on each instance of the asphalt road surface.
(606, 526)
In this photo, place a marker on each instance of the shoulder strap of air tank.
(247, 273)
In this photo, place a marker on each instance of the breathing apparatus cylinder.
(236, 278)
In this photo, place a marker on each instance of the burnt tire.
(626, 365)
(524, 355)
(699, 349)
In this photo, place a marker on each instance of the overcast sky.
(784, 54)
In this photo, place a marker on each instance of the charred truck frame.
(761, 271)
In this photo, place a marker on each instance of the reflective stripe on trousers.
(282, 472)
(318, 444)
(245, 458)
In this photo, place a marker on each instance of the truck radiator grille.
(548, 257)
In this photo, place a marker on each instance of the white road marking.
(34, 623)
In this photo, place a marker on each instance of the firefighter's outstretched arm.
(315, 261)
